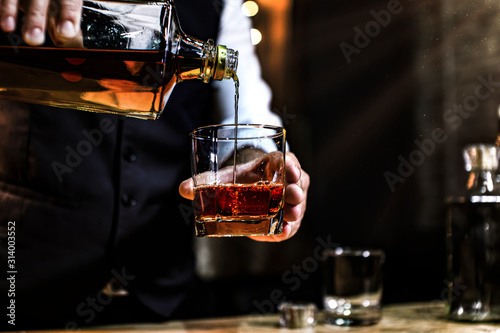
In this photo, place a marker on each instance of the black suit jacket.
(94, 196)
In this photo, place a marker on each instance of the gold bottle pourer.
(220, 62)
(227, 63)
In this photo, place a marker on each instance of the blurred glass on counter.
(473, 240)
(353, 286)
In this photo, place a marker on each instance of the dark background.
(353, 122)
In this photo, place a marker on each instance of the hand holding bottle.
(60, 18)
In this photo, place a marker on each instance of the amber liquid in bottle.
(123, 81)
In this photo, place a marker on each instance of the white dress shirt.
(255, 94)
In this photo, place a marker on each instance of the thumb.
(186, 189)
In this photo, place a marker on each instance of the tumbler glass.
(353, 286)
(239, 180)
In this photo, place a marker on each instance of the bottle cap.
(481, 157)
(226, 63)
(220, 62)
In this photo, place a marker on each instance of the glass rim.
(197, 133)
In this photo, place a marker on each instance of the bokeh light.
(255, 36)
(250, 8)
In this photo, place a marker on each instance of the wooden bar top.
(407, 318)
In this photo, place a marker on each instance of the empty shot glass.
(353, 286)
(239, 180)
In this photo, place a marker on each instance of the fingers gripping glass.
(239, 180)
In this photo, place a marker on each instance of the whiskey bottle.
(132, 54)
(473, 240)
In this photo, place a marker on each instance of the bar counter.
(407, 318)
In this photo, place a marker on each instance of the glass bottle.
(473, 240)
(128, 60)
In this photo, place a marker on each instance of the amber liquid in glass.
(236, 209)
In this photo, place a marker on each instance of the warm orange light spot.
(72, 76)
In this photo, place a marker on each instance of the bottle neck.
(205, 61)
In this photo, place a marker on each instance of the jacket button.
(129, 156)
(128, 200)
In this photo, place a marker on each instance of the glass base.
(354, 311)
(230, 228)
(473, 316)
(339, 321)
(472, 306)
